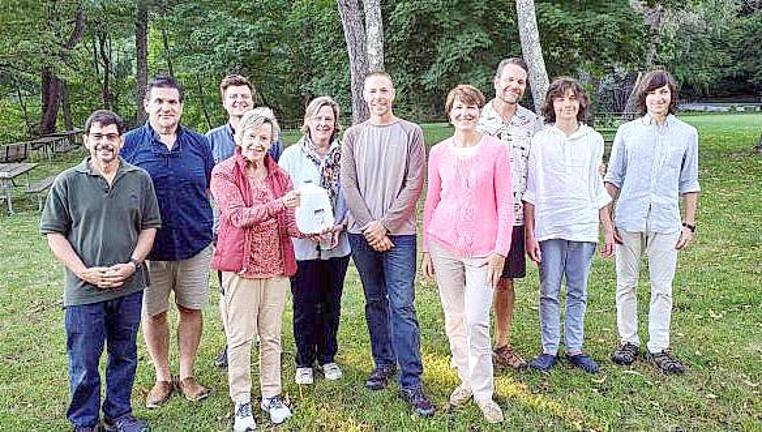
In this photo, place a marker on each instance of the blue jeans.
(114, 322)
(569, 259)
(388, 280)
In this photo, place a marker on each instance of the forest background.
(60, 60)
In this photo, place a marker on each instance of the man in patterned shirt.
(505, 119)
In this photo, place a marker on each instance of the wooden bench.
(40, 189)
(15, 152)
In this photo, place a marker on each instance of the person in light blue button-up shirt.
(654, 162)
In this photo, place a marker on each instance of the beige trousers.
(250, 307)
(662, 261)
(467, 300)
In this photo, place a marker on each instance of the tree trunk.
(532, 51)
(374, 28)
(50, 94)
(167, 52)
(759, 144)
(105, 60)
(65, 105)
(141, 59)
(51, 84)
(24, 111)
(202, 100)
(654, 17)
(354, 35)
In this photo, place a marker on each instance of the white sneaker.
(278, 411)
(304, 376)
(244, 419)
(460, 395)
(331, 371)
(491, 411)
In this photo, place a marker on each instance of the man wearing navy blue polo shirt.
(180, 164)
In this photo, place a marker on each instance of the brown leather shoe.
(159, 394)
(506, 356)
(192, 390)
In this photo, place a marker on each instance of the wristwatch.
(690, 227)
(138, 264)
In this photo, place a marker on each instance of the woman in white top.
(321, 259)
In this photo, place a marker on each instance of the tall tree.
(532, 50)
(51, 83)
(655, 16)
(141, 58)
(354, 35)
(374, 32)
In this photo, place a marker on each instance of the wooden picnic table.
(8, 172)
(48, 144)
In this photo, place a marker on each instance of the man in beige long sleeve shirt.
(382, 169)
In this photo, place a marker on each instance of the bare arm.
(530, 242)
(686, 234)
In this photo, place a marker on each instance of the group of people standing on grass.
(134, 222)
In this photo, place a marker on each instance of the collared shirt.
(91, 214)
(181, 178)
(517, 132)
(564, 184)
(652, 166)
(222, 142)
(302, 170)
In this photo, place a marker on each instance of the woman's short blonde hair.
(314, 107)
(254, 119)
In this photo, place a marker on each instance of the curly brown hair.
(558, 89)
(651, 81)
(234, 80)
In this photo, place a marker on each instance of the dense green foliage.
(295, 50)
(716, 330)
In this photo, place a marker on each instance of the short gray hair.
(254, 119)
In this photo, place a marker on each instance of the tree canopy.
(295, 50)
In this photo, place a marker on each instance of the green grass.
(716, 329)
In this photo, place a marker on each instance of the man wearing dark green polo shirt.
(100, 220)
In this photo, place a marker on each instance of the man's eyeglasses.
(112, 137)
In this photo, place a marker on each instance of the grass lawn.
(716, 330)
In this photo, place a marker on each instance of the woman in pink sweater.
(467, 224)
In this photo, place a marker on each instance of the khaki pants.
(250, 307)
(467, 300)
(662, 261)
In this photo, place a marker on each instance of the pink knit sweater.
(469, 202)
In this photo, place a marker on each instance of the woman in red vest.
(256, 257)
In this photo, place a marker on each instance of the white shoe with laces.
(490, 410)
(331, 371)
(278, 411)
(304, 376)
(460, 395)
(244, 418)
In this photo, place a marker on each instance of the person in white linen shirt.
(564, 201)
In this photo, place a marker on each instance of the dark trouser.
(388, 280)
(116, 323)
(317, 288)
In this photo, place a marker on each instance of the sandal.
(666, 362)
(506, 356)
(625, 354)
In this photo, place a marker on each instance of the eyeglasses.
(112, 137)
